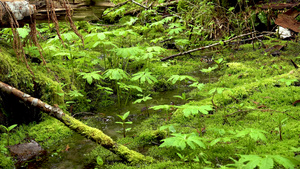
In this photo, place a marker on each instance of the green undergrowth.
(253, 99)
(237, 105)
(15, 73)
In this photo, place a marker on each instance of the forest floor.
(235, 105)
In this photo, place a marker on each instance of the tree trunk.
(94, 134)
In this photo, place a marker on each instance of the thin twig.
(139, 4)
(206, 47)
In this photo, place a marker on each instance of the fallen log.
(94, 134)
(23, 10)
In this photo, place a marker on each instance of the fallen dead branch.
(213, 45)
(140, 4)
(94, 134)
(116, 6)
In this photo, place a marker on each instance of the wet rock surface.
(26, 151)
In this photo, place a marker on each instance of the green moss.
(6, 162)
(49, 128)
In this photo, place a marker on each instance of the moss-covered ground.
(241, 101)
(252, 97)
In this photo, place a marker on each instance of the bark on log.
(94, 134)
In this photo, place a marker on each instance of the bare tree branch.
(209, 46)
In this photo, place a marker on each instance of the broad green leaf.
(126, 115)
(115, 74)
(283, 161)
(23, 32)
(90, 76)
(200, 86)
(75, 93)
(175, 31)
(99, 161)
(266, 163)
(165, 107)
(255, 134)
(215, 141)
(131, 52)
(156, 49)
(175, 78)
(144, 99)
(144, 76)
(196, 139)
(208, 70)
(5, 128)
(172, 129)
(12, 126)
(192, 109)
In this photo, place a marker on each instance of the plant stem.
(7, 138)
(118, 94)
(129, 92)
(124, 130)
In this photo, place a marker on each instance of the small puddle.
(70, 152)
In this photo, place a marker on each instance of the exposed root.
(69, 18)
(52, 15)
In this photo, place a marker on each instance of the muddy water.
(70, 152)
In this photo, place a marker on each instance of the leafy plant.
(116, 75)
(180, 141)
(144, 77)
(107, 90)
(198, 85)
(288, 82)
(165, 107)
(124, 54)
(280, 125)
(91, 76)
(128, 88)
(263, 162)
(193, 110)
(254, 135)
(75, 93)
(7, 130)
(170, 128)
(175, 78)
(144, 99)
(220, 62)
(208, 70)
(123, 123)
(183, 97)
(183, 143)
(99, 161)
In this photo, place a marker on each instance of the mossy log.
(94, 134)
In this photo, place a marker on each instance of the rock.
(26, 151)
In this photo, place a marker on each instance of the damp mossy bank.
(252, 97)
